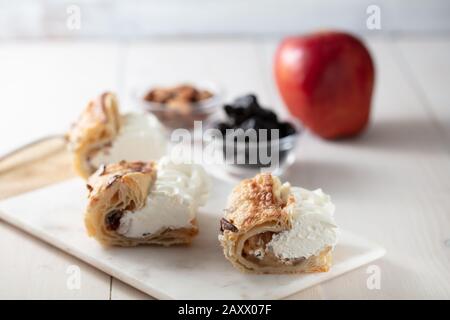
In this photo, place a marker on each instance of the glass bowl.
(175, 119)
(244, 158)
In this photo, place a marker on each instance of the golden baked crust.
(96, 128)
(255, 201)
(255, 211)
(121, 187)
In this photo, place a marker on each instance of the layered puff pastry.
(270, 227)
(101, 135)
(134, 203)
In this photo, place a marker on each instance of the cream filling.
(141, 138)
(179, 190)
(313, 226)
(161, 212)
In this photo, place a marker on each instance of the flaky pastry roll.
(133, 203)
(271, 227)
(102, 135)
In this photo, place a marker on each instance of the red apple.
(326, 79)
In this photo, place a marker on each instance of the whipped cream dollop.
(141, 138)
(178, 192)
(313, 226)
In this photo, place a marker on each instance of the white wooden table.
(392, 184)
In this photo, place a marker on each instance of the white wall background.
(140, 18)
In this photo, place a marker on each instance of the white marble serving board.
(55, 215)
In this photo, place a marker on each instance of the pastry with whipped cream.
(134, 203)
(103, 136)
(270, 227)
